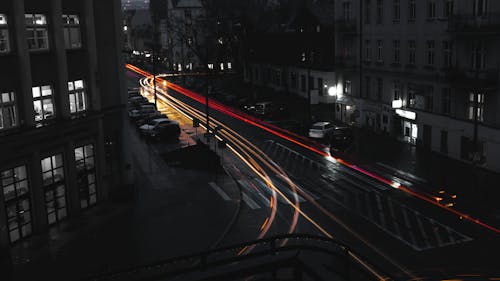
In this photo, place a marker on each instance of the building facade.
(62, 106)
(425, 71)
(296, 56)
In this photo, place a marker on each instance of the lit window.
(8, 111)
(72, 36)
(43, 103)
(86, 176)
(77, 97)
(16, 195)
(37, 32)
(476, 103)
(54, 188)
(229, 65)
(4, 35)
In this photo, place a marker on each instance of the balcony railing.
(346, 26)
(284, 257)
(489, 23)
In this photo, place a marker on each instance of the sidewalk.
(173, 212)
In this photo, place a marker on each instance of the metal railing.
(292, 256)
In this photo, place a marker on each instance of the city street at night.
(250, 140)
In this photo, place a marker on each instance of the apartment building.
(425, 71)
(62, 106)
(295, 55)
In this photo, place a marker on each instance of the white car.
(152, 129)
(146, 110)
(321, 130)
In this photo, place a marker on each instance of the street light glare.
(332, 91)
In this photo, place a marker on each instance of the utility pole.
(154, 59)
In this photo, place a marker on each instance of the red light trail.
(305, 143)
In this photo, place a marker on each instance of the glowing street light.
(332, 91)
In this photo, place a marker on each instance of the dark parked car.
(341, 138)
(146, 120)
(161, 128)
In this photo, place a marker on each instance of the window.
(86, 175)
(380, 88)
(368, 50)
(293, 80)
(480, 7)
(380, 11)
(448, 8)
(431, 9)
(478, 56)
(310, 82)
(476, 103)
(446, 101)
(303, 83)
(346, 10)
(412, 102)
(412, 11)
(71, 27)
(4, 35)
(320, 87)
(429, 100)
(37, 32)
(447, 54)
(347, 87)
(54, 188)
(367, 11)
(43, 103)
(8, 111)
(430, 44)
(368, 86)
(396, 51)
(77, 97)
(444, 142)
(412, 52)
(396, 11)
(397, 90)
(380, 47)
(15, 190)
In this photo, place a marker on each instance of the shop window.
(8, 111)
(54, 188)
(72, 34)
(86, 175)
(4, 35)
(15, 189)
(77, 97)
(37, 33)
(43, 103)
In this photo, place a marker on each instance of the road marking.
(249, 201)
(394, 220)
(422, 231)
(219, 191)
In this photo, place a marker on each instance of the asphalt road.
(403, 235)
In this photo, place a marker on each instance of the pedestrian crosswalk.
(365, 197)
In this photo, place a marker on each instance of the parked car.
(341, 138)
(161, 128)
(321, 130)
(146, 120)
(143, 111)
(135, 101)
